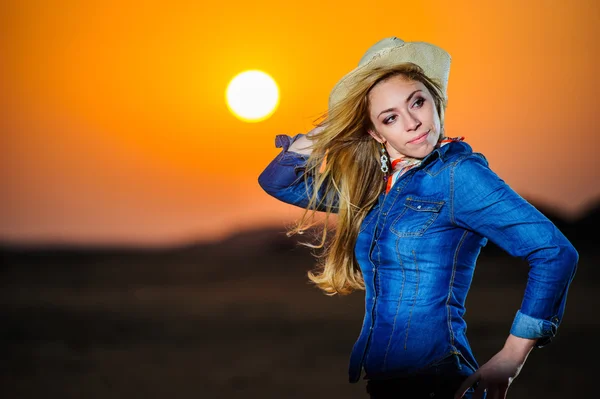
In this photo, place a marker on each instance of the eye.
(389, 119)
(419, 102)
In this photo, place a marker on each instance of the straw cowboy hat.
(391, 51)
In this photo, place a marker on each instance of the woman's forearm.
(303, 145)
(519, 347)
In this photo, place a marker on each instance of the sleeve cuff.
(289, 158)
(525, 326)
(284, 141)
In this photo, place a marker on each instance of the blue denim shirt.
(417, 250)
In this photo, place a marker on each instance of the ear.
(375, 135)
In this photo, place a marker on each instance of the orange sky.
(115, 130)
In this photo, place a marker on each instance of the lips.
(420, 138)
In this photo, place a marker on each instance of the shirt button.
(419, 207)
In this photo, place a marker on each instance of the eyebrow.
(394, 108)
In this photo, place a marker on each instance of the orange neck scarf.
(402, 165)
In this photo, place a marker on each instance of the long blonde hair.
(345, 168)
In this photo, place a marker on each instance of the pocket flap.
(423, 205)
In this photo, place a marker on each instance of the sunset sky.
(114, 127)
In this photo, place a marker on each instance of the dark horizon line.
(57, 245)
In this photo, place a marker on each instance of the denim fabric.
(439, 381)
(417, 250)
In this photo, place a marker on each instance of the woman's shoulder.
(473, 167)
(450, 155)
(461, 152)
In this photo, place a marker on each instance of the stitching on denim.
(437, 360)
(454, 165)
(364, 356)
(422, 229)
(445, 157)
(414, 298)
(404, 210)
(433, 174)
(411, 199)
(397, 306)
(407, 178)
(379, 287)
(451, 194)
(399, 189)
(459, 353)
(376, 284)
(417, 204)
(450, 288)
(370, 217)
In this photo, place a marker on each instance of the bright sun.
(252, 96)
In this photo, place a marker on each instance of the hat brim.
(434, 61)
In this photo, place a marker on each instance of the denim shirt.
(417, 249)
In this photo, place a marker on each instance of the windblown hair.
(343, 175)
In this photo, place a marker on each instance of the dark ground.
(238, 319)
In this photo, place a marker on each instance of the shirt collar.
(449, 146)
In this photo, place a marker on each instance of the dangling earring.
(384, 160)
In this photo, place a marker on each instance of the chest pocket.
(416, 217)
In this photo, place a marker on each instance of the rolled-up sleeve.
(284, 178)
(483, 203)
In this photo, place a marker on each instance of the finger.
(467, 383)
(497, 391)
(479, 391)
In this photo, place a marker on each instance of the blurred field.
(238, 319)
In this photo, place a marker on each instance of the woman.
(414, 209)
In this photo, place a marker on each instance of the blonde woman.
(413, 210)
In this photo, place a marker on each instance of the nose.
(412, 122)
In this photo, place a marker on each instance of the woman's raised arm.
(303, 144)
(284, 177)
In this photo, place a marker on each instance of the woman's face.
(404, 117)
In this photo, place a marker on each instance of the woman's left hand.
(498, 373)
